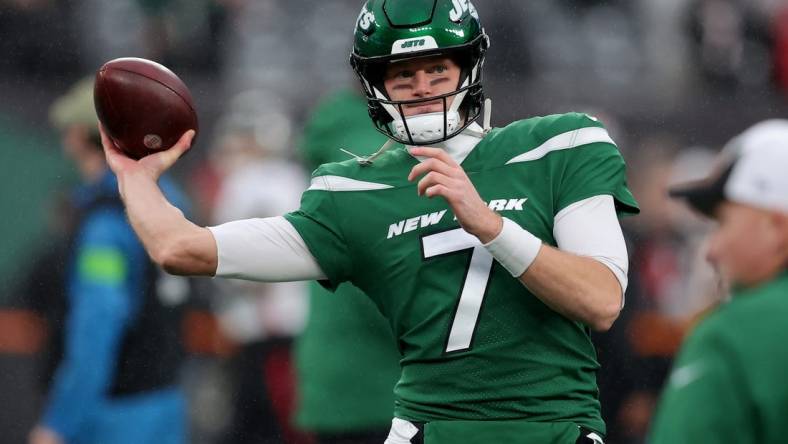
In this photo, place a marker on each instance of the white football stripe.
(339, 183)
(564, 141)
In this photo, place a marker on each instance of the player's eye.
(438, 69)
(399, 73)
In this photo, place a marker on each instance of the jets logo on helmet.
(461, 7)
(365, 19)
(413, 44)
(389, 31)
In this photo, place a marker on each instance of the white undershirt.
(264, 249)
(590, 228)
(271, 250)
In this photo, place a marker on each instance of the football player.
(491, 251)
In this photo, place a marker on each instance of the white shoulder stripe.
(564, 141)
(339, 183)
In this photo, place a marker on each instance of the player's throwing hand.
(153, 165)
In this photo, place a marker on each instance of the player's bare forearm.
(172, 241)
(175, 243)
(580, 288)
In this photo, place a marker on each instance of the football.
(143, 106)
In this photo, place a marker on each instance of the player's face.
(749, 245)
(422, 78)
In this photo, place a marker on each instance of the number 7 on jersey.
(474, 287)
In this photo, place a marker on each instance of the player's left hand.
(444, 177)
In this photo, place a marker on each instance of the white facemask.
(427, 127)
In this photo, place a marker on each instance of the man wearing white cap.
(729, 381)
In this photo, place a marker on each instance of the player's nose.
(421, 84)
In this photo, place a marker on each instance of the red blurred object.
(143, 106)
(780, 56)
(22, 332)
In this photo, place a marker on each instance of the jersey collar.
(460, 145)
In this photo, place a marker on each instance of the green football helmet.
(393, 30)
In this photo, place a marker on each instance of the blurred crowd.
(671, 80)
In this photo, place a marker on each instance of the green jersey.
(346, 357)
(476, 344)
(729, 381)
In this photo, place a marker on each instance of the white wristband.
(514, 248)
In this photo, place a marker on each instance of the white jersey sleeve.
(267, 250)
(590, 228)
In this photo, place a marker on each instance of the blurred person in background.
(346, 390)
(117, 381)
(728, 382)
(35, 315)
(257, 180)
(42, 287)
(732, 43)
